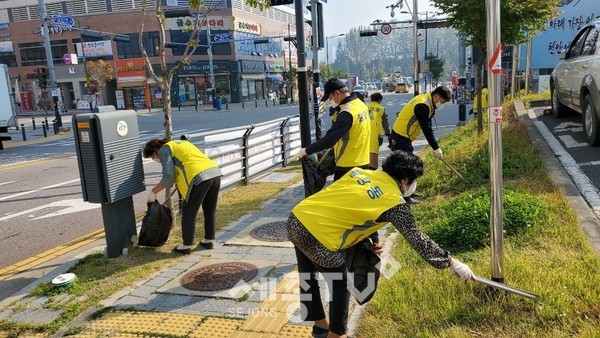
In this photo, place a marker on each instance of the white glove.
(302, 153)
(461, 270)
(151, 197)
(438, 153)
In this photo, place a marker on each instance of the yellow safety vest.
(352, 150)
(189, 161)
(376, 111)
(406, 123)
(484, 99)
(345, 212)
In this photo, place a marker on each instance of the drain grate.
(220, 276)
(271, 232)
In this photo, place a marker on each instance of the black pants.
(311, 306)
(205, 194)
(399, 142)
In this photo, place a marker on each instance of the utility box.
(111, 170)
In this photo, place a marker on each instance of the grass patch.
(99, 278)
(544, 251)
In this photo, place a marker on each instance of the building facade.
(249, 55)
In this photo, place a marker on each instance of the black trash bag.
(156, 225)
(314, 181)
(326, 164)
(363, 264)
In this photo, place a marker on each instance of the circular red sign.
(67, 59)
(386, 29)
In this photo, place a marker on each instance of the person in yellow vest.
(415, 118)
(349, 134)
(379, 127)
(198, 181)
(326, 223)
(484, 101)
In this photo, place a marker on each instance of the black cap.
(332, 85)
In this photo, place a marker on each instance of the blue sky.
(342, 15)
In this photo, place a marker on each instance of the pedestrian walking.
(379, 127)
(365, 200)
(198, 181)
(349, 134)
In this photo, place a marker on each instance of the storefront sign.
(26, 102)
(216, 22)
(274, 66)
(120, 99)
(252, 66)
(247, 26)
(202, 67)
(95, 48)
(6, 47)
(130, 71)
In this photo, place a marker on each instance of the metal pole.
(495, 142)
(315, 66)
(210, 63)
(85, 70)
(527, 66)
(49, 59)
(291, 76)
(425, 56)
(327, 52)
(301, 73)
(515, 68)
(415, 50)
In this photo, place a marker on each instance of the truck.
(7, 103)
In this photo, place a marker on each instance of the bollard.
(242, 104)
(227, 106)
(33, 123)
(44, 129)
(273, 102)
(267, 103)
(55, 127)
(47, 125)
(255, 103)
(23, 132)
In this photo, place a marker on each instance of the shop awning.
(275, 78)
(253, 76)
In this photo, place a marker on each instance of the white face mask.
(439, 106)
(411, 189)
(333, 103)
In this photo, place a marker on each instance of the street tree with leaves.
(436, 66)
(98, 73)
(519, 21)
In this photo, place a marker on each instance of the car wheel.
(558, 109)
(591, 122)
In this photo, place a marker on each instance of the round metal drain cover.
(220, 276)
(271, 232)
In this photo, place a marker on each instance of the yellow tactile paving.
(265, 321)
(296, 331)
(278, 302)
(179, 324)
(216, 328)
(288, 285)
(245, 334)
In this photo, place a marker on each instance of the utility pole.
(495, 142)
(415, 50)
(302, 79)
(49, 61)
(290, 86)
(315, 65)
(425, 57)
(210, 64)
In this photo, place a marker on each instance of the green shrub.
(466, 226)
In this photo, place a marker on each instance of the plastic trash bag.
(156, 225)
(314, 181)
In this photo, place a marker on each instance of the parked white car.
(574, 84)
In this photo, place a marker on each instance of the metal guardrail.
(249, 151)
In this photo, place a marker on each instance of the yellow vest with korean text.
(188, 161)
(406, 123)
(345, 212)
(376, 111)
(352, 150)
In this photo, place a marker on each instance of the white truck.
(7, 102)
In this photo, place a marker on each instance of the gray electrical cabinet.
(111, 170)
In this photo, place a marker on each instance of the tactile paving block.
(296, 331)
(179, 324)
(215, 327)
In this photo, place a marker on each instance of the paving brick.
(158, 281)
(144, 291)
(130, 302)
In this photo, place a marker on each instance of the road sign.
(63, 20)
(494, 64)
(67, 59)
(386, 29)
(223, 38)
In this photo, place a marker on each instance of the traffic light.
(321, 34)
(42, 75)
(281, 2)
(368, 33)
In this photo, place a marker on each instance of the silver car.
(575, 81)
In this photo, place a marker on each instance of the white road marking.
(69, 207)
(591, 163)
(566, 125)
(37, 190)
(570, 142)
(5, 183)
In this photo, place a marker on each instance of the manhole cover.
(271, 232)
(220, 276)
